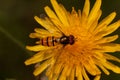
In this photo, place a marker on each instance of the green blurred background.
(16, 22)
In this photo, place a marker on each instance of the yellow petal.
(110, 57)
(63, 76)
(96, 18)
(35, 59)
(93, 26)
(106, 39)
(83, 20)
(50, 76)
(46, 24)
(44, 35)
(79, 72)
(55, 77)
(99, 31)
(51, 13)
(102, 67)
(60, 12)
(37, 35)
(79, 14)
(49, 72)
(91, 68)
(111, 66)
(72, 74)
(38, 58)
(86, 7)
(69, 70)
(41, 31)
(99, 56)
(106, 64)
(64, 72)
(94, 11)
(107, 20)
(58, 68)
(65, 11)
(53, 18)
(97, 77)
(110, 47)
(103, 29)
(38, 48)
(73, 19)
(111, 28)
(84, 74)
(107, 30)
(42, 67)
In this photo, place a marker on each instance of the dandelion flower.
(87, 47)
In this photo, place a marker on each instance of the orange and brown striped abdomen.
(48, 41)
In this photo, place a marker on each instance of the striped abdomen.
(49, 41)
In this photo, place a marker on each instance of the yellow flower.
(86, 48)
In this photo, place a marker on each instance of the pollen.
(89, 49)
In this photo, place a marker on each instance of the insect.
(52, 41)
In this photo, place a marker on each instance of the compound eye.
(71, 39)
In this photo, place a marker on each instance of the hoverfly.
(52, 41)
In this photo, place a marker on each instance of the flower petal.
(43, 35)
(107, 20)
(86, 8)
(51, 13)
(73, 18)
(69, 71)
(79, 14)
(99, 56)
(94, 11)
(108, 65)
(46, 24)
(60, 12)
(63, 75)
(94, 25)
(37, 35)
(79, 72)
(41, 31)
(54, 71)
(110, 57)
(107, 30)
(35, 59)
(109, 47)
(97, 77)
(111, 28)
(58, 68)
(72, 74)
(38, 57)
(53, 18)
(38, 48)
(111, 66)
(102, 67)
(106, 39)
(42, 67)
(84, 74)
(91, 68)
(49, 72)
